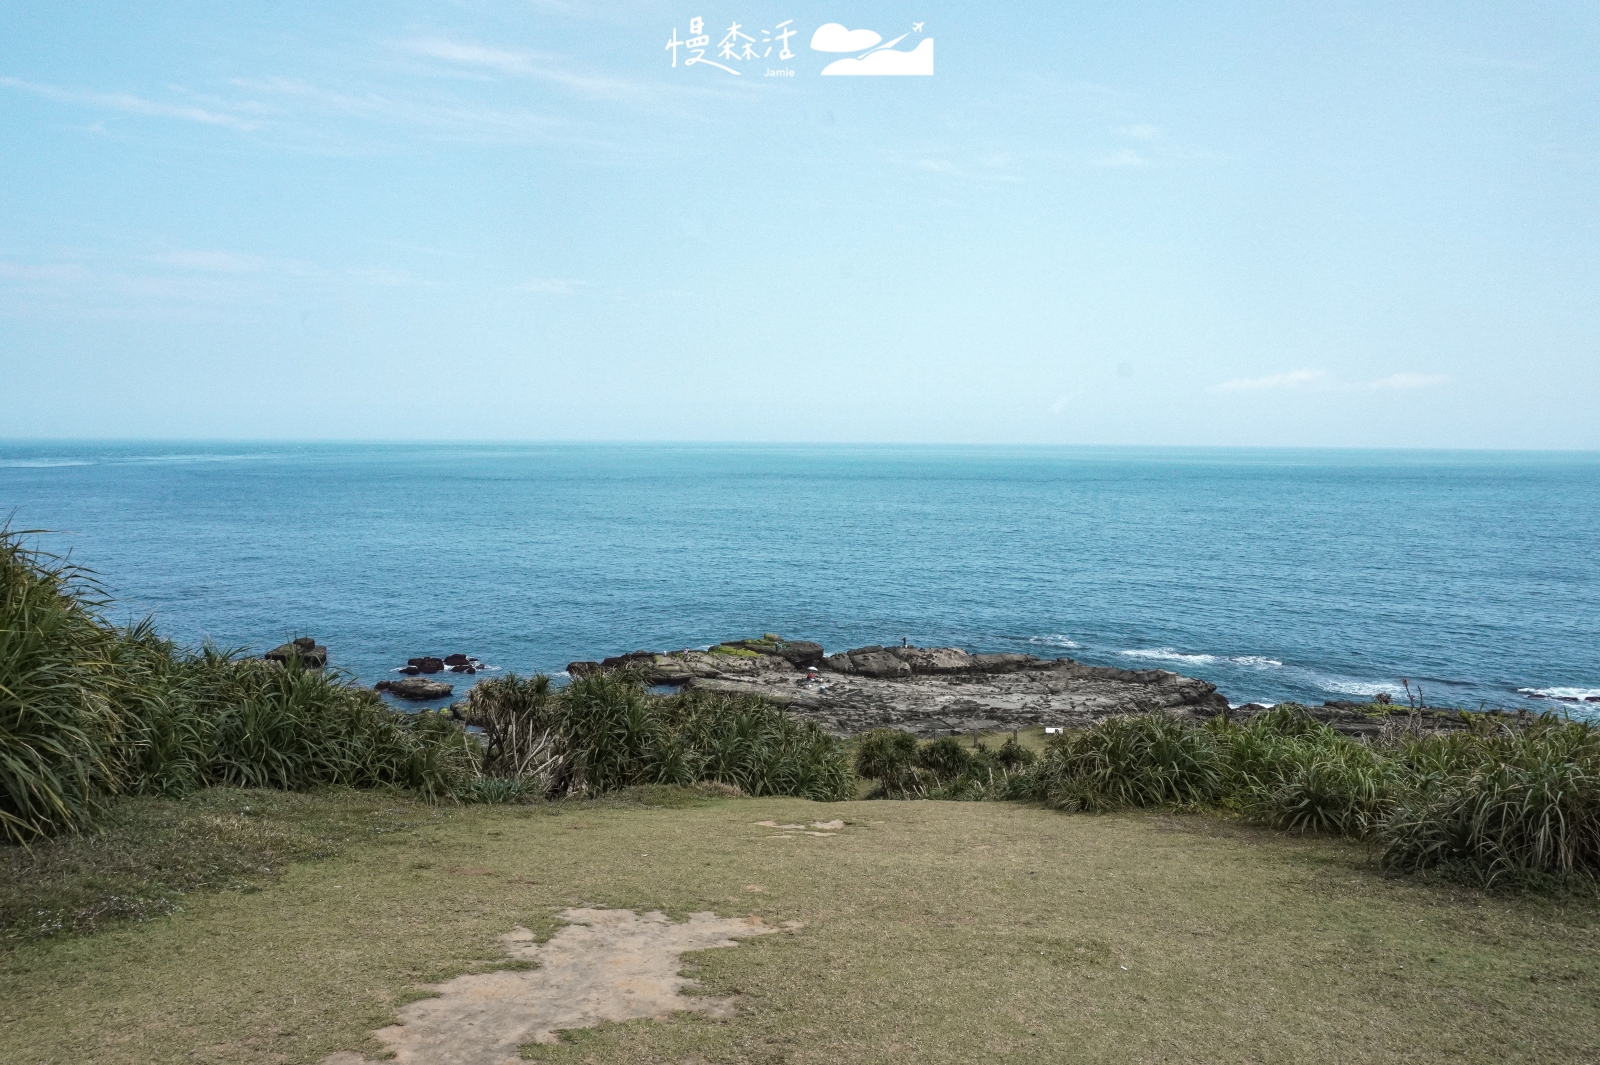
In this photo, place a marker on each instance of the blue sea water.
(1306, 575)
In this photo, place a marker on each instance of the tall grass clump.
(1288, 770)
(89, 711)
(59, 713)
(1131, 760)
(617, 735)
(1502, 802)
(521, 730)
(939, 769)
(1495, 799)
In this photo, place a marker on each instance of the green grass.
(933, 932)
(149, 855)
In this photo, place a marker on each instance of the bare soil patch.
(606, 965)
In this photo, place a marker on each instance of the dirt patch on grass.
(606, 965)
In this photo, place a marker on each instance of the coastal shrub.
(944, 757)
(1291, 771)
(943, 768)
(59, 714)
(89, 710)
(521, 730)
(889, 757)
(1504, 803)
(498, 791)
(1012, 755)
(616, 735)
(1339, 787)
(1128, 760)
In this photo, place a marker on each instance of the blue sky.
(1330, 224)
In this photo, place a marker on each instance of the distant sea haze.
(1277, 575)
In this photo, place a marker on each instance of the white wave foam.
(1359, 687)
(1565, 695)
(1055, 639)
(1168, 654)
(42, 464)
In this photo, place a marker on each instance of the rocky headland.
(939, 691)
(932, 691)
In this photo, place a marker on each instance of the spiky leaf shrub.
(59, 716)
(617, 735)
(1504, 803)
(1129, 760)
(1293, 772)
(88, 711)
(1013, 756)
(889, 756)
(521, 725)
(944, 757)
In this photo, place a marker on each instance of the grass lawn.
(933, 932)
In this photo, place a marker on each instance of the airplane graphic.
(916, 27)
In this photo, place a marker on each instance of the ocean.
(1303, 575)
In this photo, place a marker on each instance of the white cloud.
(447, 116)
(515, 61)
(1293, 379)
(133, 105)
(551, 286)
(888, 61)
(832, 37)
(542, 65)
(1408, 380)
(1125, 157)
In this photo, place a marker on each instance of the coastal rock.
(931, 691)
(876, 662)
(801, 653)
(415, 688)
(311, 654)
(935, 660)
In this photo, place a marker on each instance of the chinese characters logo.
(873, 55)
(730, 47)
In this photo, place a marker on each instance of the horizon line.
(607, 442)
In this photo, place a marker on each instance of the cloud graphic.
(888, 61)
(835, 38)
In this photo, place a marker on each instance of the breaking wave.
(1168, 654)
(1368, 688)
(1564, 695)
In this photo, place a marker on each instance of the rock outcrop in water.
(308, 651)
(927, 690)
(415, 688)
(456, 663)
